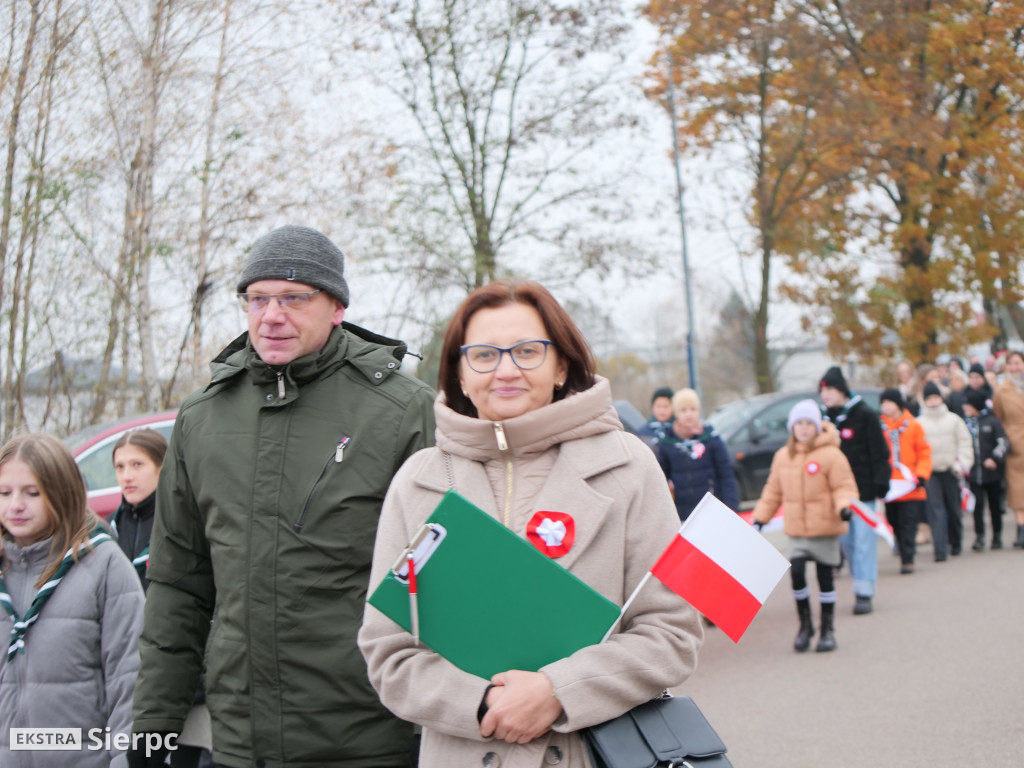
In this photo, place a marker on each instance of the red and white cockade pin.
(846, 433)
(551, 532)
(813, 467)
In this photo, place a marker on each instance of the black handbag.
(669, 731)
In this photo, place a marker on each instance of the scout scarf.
(21, 625)
(894, 438)
(841, 417)
(695, 447)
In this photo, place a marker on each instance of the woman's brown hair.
(63, 491)
(566, 338)
(149, 441)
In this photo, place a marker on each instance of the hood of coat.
(933, 411)
(580, 415)
(347, 343)
(829, 435)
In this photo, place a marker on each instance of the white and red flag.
(901, 486)
(877, 521)
(775, 524)
(720, 565)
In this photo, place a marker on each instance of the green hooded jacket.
(267, 511)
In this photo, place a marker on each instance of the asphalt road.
(934, 677)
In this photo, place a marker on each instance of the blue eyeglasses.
(527, 355)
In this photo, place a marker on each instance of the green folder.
(488, 600)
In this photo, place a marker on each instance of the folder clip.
(422, 546)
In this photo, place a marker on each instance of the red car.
(93, 450)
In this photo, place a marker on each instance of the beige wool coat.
(812, 486)
(1008, 406)
(570, 456)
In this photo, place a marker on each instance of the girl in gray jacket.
(71, 606)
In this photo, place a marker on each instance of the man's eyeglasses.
(527, 355)
(289, 302)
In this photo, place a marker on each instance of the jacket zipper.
(499, 433)
(300, 523)
(280, 385)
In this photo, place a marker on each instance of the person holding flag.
(527, 432)
(864, 446)
(812, 480)
(911, 465)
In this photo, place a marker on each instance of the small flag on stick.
(720, 565)
(876, 521)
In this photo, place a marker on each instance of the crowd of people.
(219, 618)
(940, 448)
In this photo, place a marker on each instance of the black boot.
(827, 638)
(1019, 543)
(803, 636)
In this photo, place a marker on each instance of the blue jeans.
(860, 545)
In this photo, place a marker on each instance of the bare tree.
(508, 146)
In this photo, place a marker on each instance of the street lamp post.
(691, 335)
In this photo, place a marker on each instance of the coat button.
(378, 375)
(391, 365)
(269, 398)
(491, 760)
(553, 756)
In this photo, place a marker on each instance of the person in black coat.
(662, 416)
(976, 380)
(695, 459)
(863, 443)
(986, 476)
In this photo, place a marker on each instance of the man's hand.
(520, 707)
(150, 752)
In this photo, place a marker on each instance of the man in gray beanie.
(266, 514)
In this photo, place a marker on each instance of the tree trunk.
(6, 205)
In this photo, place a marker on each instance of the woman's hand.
(520, 707)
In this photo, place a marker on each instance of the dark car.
(754, 428)
(630, 417)
(93, 451)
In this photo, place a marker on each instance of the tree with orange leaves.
(919, 118)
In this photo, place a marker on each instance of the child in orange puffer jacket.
(911, 459)
(812, 480)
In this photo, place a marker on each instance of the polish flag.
(877, 522)
(721, 566)
(775, 524)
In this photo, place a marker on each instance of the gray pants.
(944, 514)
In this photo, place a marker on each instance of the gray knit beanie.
(297, 253)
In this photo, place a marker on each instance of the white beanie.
(805, 409)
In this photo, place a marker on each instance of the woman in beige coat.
(524, 427)
(1008, 406)
(812, 481)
